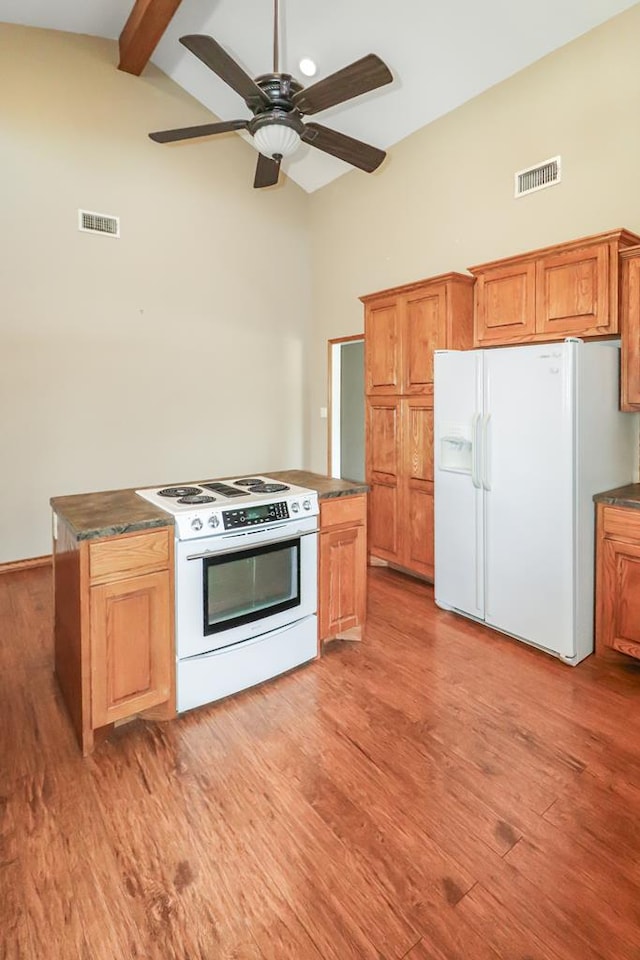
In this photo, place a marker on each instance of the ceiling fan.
(278, 103)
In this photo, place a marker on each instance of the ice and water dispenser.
(456, 448)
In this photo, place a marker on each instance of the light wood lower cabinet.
(384, 475)
(400, 476)
(130, 639)
(618, 580)
(342, 568)
(114, 648)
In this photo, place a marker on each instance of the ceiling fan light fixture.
(276, 139)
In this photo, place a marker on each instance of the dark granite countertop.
(324, 486)
(110, 513)
(627, 496)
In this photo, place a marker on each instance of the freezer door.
(459, 564)
(528, 476)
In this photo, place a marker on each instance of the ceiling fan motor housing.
(276, 127)
(280, 88)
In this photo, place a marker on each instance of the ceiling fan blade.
(202, 130)
(217, 59)
(366, 74)
(355, 152)
(267, 171)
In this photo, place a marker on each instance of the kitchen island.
(114, 597)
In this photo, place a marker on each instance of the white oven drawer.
(212, 676)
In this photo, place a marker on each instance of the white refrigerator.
(523, 438)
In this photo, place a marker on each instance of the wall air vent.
(98, 223)
(543, 175)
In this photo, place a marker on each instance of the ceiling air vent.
(543, 175)
(91, 222)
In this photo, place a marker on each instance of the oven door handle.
(292, 535)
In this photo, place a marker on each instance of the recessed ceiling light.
(307, 67)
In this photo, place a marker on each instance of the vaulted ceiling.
(440, 53)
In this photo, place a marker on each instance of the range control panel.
(256, 514)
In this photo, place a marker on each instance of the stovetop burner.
(197, 498)
(248, 482)
(267, 487)
(179, 492)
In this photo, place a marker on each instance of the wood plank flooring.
(436, 792)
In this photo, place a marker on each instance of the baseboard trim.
(30, 564)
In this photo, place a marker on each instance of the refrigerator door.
(459, 549)
(528, 475)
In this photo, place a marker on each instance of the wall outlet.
(323, 413)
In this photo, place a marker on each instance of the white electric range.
(246, 565)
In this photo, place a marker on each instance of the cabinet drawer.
(338, 510)
(139, 553)
(621, 523)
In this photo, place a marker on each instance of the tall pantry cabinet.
(403, 326)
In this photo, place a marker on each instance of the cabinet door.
(505, 304)
(382, 346)
(417, 512)
(130, 646)
(572, 293)
(384, 437)
(424, 330)
(630, 329)
(342, 580)
(618, 597)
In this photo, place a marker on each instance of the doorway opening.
(346, 421)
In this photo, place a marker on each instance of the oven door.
(231, 589)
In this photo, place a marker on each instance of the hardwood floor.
(437, 792)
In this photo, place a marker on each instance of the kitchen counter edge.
(626, 496)
(111, 513)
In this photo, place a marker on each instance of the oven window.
(250, 584)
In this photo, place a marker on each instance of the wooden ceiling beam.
(142, 32)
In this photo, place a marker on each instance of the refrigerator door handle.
(486, 450)
(475, 453)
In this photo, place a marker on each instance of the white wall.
(443, 200)
(172, 353)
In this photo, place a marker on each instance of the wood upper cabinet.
(114, 648)
(567, 290)
(505, 303)
(403, 327)
(384, 361)
(618, 580)
(425, 329)
(573, 291)
(630, 328)
(342, 568)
